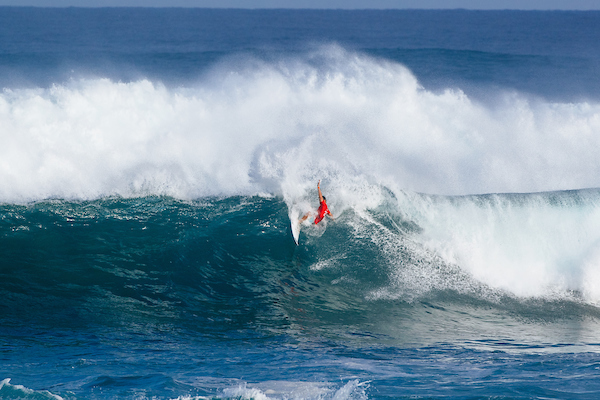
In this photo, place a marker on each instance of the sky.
(343, 4)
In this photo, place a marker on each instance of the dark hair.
(324, 198)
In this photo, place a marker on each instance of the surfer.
(322, 211)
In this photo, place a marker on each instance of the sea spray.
(276, 127)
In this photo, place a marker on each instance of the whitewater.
(273, 127)
(149, 176)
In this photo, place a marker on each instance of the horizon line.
(300, 8)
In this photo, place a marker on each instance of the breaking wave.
(276, 127)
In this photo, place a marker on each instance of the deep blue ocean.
(151, 161)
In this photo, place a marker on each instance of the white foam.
(351, 390)
(537, 245)
(18, 391)
(243, 392)
(279, 127)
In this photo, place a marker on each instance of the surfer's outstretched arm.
(320, 194)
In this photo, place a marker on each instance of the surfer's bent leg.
(304, 218)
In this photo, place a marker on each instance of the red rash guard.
(322, 211)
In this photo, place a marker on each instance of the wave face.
(235, 256)
(272, 127)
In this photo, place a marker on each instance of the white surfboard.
(294, 215)
(295, 230)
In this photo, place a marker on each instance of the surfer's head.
(324, 198)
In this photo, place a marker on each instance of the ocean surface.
(151, 161)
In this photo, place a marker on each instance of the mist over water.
(274, 126)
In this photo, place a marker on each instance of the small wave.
(352, 390)
(8, 391)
